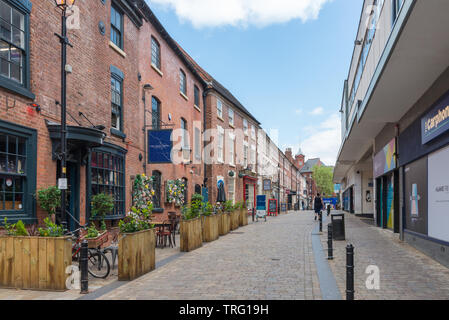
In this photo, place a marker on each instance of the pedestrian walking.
(318, 206)
(303, 205)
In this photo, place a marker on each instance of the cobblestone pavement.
(405, 273)
(272, 260)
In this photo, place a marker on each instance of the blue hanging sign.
(159, 146)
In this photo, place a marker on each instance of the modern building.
(393, 157)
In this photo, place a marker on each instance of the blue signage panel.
(261, 202)
(436, 122)
(159, 146)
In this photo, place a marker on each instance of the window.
(231, 189)
(116, 27)
(107, 170)
(245, 156)
(397, 5)
(116, 99)
(198, 189)
(220, 146)
(253, 132)
(182, 82)
(253, 155)
(231, 116)
(232, 150)
(17, 172)
(197, 144)
(155, 53)
(245, 126)
(155, 113)
(185, 140)
(219, 109)
(197, 96)
(14, 47)
(157, 183)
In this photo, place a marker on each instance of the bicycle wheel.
(98, 264)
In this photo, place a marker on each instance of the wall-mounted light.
(358, 42)
(36, 107)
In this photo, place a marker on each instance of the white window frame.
(220, 145)
(231, 116)
(253, 132)
(232, 149)
(219, 108)
(245, 127)
(245, 154)
(253, 156)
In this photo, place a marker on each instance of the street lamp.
(62, 183)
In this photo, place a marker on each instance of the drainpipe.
(205, 92)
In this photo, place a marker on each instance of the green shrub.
(49, 199)
(228, 206)
(17, 229)
(51, 229)
(101, 205)
(137, 220)
(208, 209)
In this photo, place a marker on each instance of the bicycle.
(95, 256)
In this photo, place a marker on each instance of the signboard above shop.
(436, 122)
(385, 161)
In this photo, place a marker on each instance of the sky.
(284, 60)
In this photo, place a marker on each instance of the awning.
(79, 140)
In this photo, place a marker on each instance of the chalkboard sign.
(272, 205)
(284, 207)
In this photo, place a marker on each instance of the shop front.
(348, 200)
(424, 150)
(387, 187)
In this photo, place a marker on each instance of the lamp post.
(63, 5)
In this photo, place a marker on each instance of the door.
(72, 195)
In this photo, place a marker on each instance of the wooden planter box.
(243, 218)
(34, 263)
(225, 224)
(191, 235)
(97, 242)
(235, 217)
(210, 228)
(136, 254)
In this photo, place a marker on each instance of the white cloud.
(317, 111)
(325, 141)
(215, 13)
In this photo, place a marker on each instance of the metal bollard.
(330, 249)
(83, 268)
(350, 272)
(252, 213)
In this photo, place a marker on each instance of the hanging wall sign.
(436, 122)
(159, 146)
(267, 185)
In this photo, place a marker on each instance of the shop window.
(17, 172)
(107, 175)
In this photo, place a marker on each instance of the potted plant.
(137, 244)
(190, 228)
(101, 205)
(35, 261)
(209, 222)
(243, 213)
(95, 238)
(49, 200)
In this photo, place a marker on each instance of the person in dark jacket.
(318, 206)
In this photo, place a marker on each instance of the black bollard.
(83, 268)
(350, 272)
(252, 213)
(330, 249)
(321, 222)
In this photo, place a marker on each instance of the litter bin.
(338, 227)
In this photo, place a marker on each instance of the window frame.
(28, 212)
(24, 88)
(231, 116)
(182, 82)
(112, 26)
(219, 108)
(157, 192)
(116, 151)
(118, 75)
(220, 145)
(158, 65)
(196, 96)
(159, 108)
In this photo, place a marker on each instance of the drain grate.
(275, 259)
